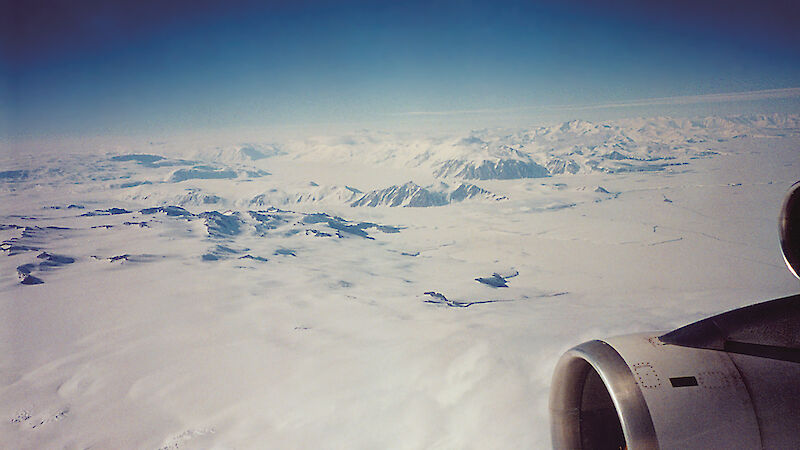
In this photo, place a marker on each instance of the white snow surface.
(256, 308)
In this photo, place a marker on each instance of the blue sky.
(91, 67)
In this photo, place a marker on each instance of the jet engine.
(731, 381)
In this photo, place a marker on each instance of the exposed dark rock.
(343, 226)
(558, 166)
(317, 233)
(220, 252)
(629, 168)
(466, 191)
(201, 172)
(16, 249)
(291, 223)
(106, 212)
(256, 258)
(168, 210)
(498, 280)
(357, 230)
(14, 175)
(440, 299)
(171, 163)
(437, 296)
(385, 228)
(267, 220)
(616, 156)
(503, 169)
(221, 249)
(412, 195)
(30, 280)
(601, 190)
(131, 184)
(141, 224)
(409, 194)
(494, 281)
(55, 260)
(196, 197)
(25, 269)
(705, 154)
(319, 217)
(139, 158)
(221, 225)
(257, 173)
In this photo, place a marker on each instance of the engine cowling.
(730, 381)
(789, 229)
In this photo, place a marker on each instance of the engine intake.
(730, 381)
(789, 229)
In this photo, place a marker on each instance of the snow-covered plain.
(365, 291)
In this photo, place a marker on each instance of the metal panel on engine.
(696, 397)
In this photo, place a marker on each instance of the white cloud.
(766, 94)
(692, 99)
(456, 112)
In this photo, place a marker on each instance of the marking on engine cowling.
(646, 375)
(713, 379)
(655, 341)
(678, 382)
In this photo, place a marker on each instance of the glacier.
(366, 290)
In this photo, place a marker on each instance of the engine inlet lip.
(789, 229)
(567, 385)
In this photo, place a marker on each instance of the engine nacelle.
(731, 381)
(637, 392)
(789, 229)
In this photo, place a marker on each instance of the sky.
(88, 67)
